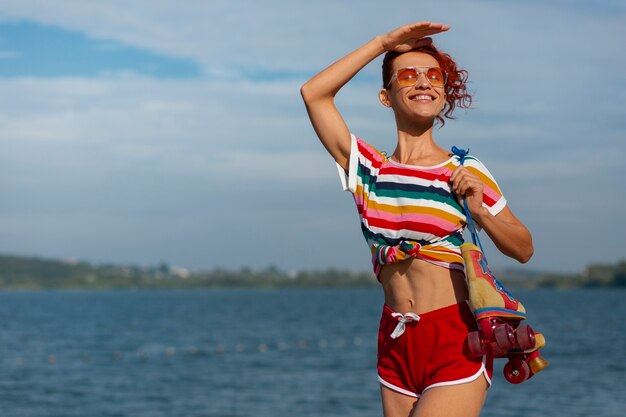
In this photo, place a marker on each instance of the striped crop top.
(410, 211)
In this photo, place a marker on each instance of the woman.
(411, 218)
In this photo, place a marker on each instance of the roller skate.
(499, 318)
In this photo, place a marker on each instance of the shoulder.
(473, 161)
(469, 161)
(368, 151)
(476, 166)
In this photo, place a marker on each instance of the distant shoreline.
(33, 273)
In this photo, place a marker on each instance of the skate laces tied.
(402, 320)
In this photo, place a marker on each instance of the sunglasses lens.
(407, 77)
(435, 76)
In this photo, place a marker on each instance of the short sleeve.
(348, 178)
(363, 166)
(493, 199)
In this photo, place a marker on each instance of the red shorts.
(416, 353)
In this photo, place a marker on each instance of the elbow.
(312, 93)
(306, 92)
(526, 249)
(524, 255)
(524, 258)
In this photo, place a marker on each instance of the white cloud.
(290, 35)
(130, 158)
(179, 169)
(9, 54)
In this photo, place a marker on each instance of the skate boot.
(499, 315)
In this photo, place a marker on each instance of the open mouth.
(422, 98)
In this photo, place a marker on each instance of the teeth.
(422, 97)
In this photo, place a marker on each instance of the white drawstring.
(399, 330)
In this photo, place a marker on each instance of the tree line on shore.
(32, 273)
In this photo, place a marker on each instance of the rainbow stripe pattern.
(410, 211)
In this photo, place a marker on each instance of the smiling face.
(420, 103)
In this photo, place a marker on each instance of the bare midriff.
(417, 286)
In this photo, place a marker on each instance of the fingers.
(411, 36)
(428, 28)
(466, 183)
(419, 30)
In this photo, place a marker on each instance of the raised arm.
(319, 92)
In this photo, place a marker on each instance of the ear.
(383, 96)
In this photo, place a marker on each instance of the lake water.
(232, 353)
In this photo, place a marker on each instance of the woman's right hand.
(411, 36)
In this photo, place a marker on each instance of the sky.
(165, 131)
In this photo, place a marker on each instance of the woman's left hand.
(510, 236)
(469, 185)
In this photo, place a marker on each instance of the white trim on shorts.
(397, 389)
(482, 370)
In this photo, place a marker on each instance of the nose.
(422, 80)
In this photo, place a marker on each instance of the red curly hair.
(456, 84)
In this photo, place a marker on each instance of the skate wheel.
(516, 371)
(497, 352)
(505, 338)
(475, 343)
(525, 337)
